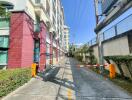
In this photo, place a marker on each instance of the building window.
(65, 36)
(37, 25)
(47, 49)
(36, 51)
(3, 57)
(4, 22)
(4, 41)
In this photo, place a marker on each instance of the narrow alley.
(65, 49)
(70, 83)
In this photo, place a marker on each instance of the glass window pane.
(3, 57)
(1, 41)
(4, 23)
(4, 41)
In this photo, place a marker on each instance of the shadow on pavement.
(50, 75)
(63, 82)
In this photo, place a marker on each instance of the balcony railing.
(120, 28)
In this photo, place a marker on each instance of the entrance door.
(36, 51)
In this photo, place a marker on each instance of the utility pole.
(100, 54)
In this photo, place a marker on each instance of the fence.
(120, 28)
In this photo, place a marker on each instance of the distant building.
(32, 33)
(66, 38)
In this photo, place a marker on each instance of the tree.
(85, 48)
(2, 11)
(72, 50)
(92, 58)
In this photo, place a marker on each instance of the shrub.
(12, 79)
(119, 60)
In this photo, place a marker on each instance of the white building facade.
(42, 28)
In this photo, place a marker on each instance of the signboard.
(107, 4)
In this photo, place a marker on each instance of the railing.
(92, 42)
(120, 28)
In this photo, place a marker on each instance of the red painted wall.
(28, 42)
(42, 63)
(21, 44)
(57, 50)
(51, 48)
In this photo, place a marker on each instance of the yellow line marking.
(69, 94)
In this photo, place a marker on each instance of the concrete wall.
(96, 54)
(117, 46)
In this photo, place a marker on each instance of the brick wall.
(57, 51)
(21, 44)
(42, 47)
(28, 42)
(51, 48)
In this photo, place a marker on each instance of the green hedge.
(12, 79)
(119, 60)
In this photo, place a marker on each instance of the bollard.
(112, 71)
(34, 65)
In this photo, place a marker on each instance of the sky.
(80, 17)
